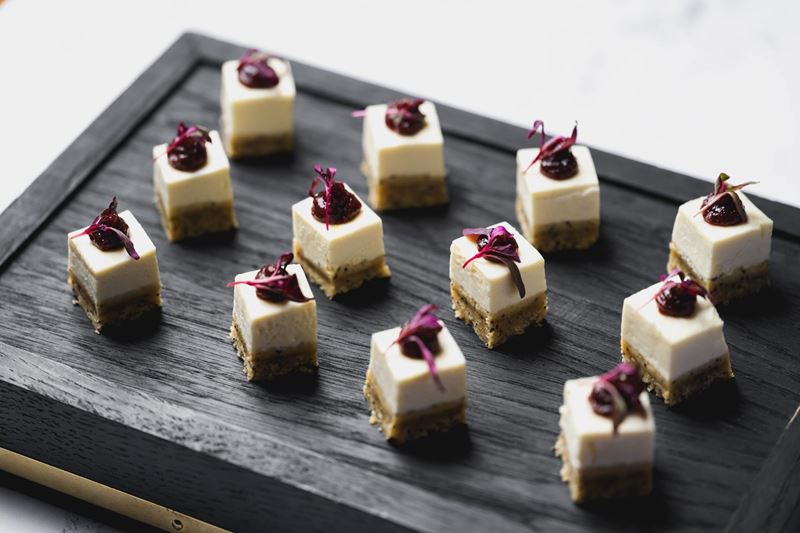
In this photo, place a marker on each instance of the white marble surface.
(695, 86)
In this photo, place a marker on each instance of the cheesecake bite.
(257, 100)
(558, 194)
(416, 381)
(337, 239)
(497, 282)
(674, 334)
(192, 182)
(403, 155)
(607, 436)
(113, 269)
(274, 325)
(723, 242)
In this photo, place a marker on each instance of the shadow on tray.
(439, 447)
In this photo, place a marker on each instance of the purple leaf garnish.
(723, 207)
(336, 205)
(557, 160)
(108, 231)
(255, 72)
(404, 116)
(497, 245)
(187, 151)
(274, 284)
(419, 338)
(615, 394)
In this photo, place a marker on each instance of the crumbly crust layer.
(568, 235)
(495, 329)
(403, 192)
(211, 217)
(416, 424)
(239, 146)
(725, 287)
(123, 308)
(345, 278)
(271, 364)
(593, 483)
(678, 390)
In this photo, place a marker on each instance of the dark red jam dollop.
(405, 117)
(499, 246)
(255, 72)
(273, 282)
(678, 297)
(335, 204)
(559, 166)
(418, 338)
(723, 207)
(187, 151)
(615, 394)
(108, 231)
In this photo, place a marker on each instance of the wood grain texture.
(165, 412)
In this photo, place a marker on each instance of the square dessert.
(274, 325)
(497, 282)
(337, 239)
(674, 334)
(192, 181)
(404, 155)
(607, 436)
(416, 381)
(257, 100)
(113, 269)
(558, 194)
(723, 242)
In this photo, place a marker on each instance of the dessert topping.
(274, 284)
(334, 205)
(499, 246)
(723, 207)
(419, 338)
(109, 232)
(255, 72)
(404, 116)
(678, 297)
(615, 394)
(187, 151)
(557, 160)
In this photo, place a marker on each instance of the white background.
(695, 86)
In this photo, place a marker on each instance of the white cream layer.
(714, 250)
(589, 437)
(390, 154)
(210, 184)
(106, 275)
(673, 345)
(406, 383)
(490, 284)
(247, 111)
(548, 201)
(266, 325)
(351, 243)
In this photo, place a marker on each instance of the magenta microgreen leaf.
(108, 231)
(274, 283)
(500, 246)
(615, 394)
(553, 146)
(419, 338)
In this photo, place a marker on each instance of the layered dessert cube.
(274, 324)
(497, 282)
(403, 155)
(607, 436)
(192, 182)
(416, 380)
(257, 99)
(337, 239)
(722, 241)
(674, 334)
(558, 194)
(113, 269)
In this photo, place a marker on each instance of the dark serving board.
(166, 415)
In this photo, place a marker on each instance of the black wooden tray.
(166, 415)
